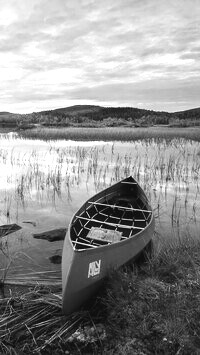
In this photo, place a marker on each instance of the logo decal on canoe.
(94, 268)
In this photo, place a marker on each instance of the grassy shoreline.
(111, 133)
(154, 308)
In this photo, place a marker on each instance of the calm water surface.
(43, 183)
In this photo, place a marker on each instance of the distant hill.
(195, 112)
(5, 113)
(76, 109)
(99, 113)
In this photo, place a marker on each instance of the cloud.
(149, 89)
(85, 50)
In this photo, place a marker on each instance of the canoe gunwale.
(115, 245)
(98, 197)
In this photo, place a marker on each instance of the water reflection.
(43, 183)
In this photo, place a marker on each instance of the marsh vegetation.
(44, 181)
(111, 133)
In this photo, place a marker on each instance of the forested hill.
(111, 116)
(188, 114)
(90, 115)
(99, 113)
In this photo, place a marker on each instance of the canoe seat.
(108, 235)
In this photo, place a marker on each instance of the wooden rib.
(108, 216)
(123, 213)
(109, 223)
(116, 206)
(124, 219)
(78, 234)
(75, 231)
(85, 244)
(145, 216)
(96, 214)
(87, 213)
(105, 215)
(84, 240)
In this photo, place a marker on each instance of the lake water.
(43, 183)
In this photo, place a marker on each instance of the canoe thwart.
(116, 225)
(120, 207)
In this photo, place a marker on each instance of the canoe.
(109, 230)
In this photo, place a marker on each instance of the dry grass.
(33, 322)
(154, 307)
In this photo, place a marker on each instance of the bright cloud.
(57, 53)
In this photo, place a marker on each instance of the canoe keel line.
(109, 230)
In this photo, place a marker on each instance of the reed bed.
(111, 133)
(168, 170)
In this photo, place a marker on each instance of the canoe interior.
(123, 210)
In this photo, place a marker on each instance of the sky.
(137, 53)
